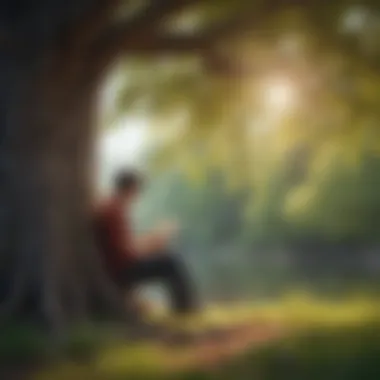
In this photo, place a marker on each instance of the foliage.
(298, 132)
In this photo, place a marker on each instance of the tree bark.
(49, 269)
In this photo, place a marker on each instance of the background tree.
(301, 166)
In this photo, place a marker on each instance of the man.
(132, 261)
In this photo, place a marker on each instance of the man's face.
(130, 195)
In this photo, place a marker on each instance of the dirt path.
(205, 351)
(209, 352)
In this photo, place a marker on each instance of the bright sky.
(123, 145)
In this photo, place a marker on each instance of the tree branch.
(147, 20)
(142, 35)
(169, 45)
(138, 30)
(93, 22)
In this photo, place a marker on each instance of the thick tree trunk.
(48, 267)
(52, 56)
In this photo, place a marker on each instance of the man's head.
(127, 185)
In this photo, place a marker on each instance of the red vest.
(113, 236)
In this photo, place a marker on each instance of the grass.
(346, 353)
(323, 341)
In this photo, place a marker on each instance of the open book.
(167, 230)
(157, 239)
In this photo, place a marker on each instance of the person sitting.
(133, 261)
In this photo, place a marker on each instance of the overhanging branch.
(147, 20)
(170, 45)
(138, 30)
(142, 35)
(138, 33)
(93, 22)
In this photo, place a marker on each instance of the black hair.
(127, 180)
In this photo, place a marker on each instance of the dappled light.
(279, 95)
(190, 189)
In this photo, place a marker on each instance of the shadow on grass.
(316, 353)
(349, 353)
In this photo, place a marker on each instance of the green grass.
(21, 345)
(324, 340)
(329, 353)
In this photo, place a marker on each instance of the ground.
(297, 338)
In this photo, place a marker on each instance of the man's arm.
(150, 243)
(120, 235)
(157, 240)
(132, 246)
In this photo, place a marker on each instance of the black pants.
(167, 269)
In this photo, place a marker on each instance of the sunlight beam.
(279, 96)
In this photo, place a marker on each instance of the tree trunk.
(48, 267)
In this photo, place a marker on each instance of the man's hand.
(151, 244)
(158, 240)
(167, 230)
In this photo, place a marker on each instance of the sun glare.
(278, 95)
(124, 145)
